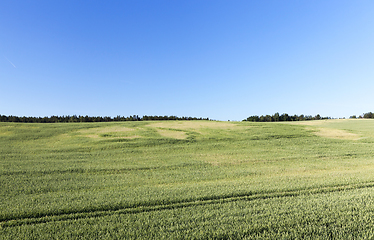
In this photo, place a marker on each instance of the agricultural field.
(187, 180)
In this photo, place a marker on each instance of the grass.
(187, 179)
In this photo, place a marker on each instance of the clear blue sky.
(218, 59)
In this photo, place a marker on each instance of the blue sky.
(224, 60)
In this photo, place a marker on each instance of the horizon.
(119, 118)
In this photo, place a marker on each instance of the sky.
(226, 60)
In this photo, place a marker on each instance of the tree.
(276, 117)
(369, 115)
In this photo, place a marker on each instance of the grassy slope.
(187, 180)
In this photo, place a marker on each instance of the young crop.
(180, 179)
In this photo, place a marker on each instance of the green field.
(187, 180)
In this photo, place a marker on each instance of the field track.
(147, 208)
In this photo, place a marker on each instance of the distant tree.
(253, 118)
(369, 115)
(276, 117)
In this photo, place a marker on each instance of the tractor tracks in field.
(94, 213)
(97, 171)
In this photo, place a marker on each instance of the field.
(187, 180)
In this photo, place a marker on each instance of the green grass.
(181, 179)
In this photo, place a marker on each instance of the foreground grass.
(183, 179)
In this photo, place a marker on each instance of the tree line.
(75, 118)
(285, 117)
(365, 115)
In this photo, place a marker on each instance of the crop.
(187, 179)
